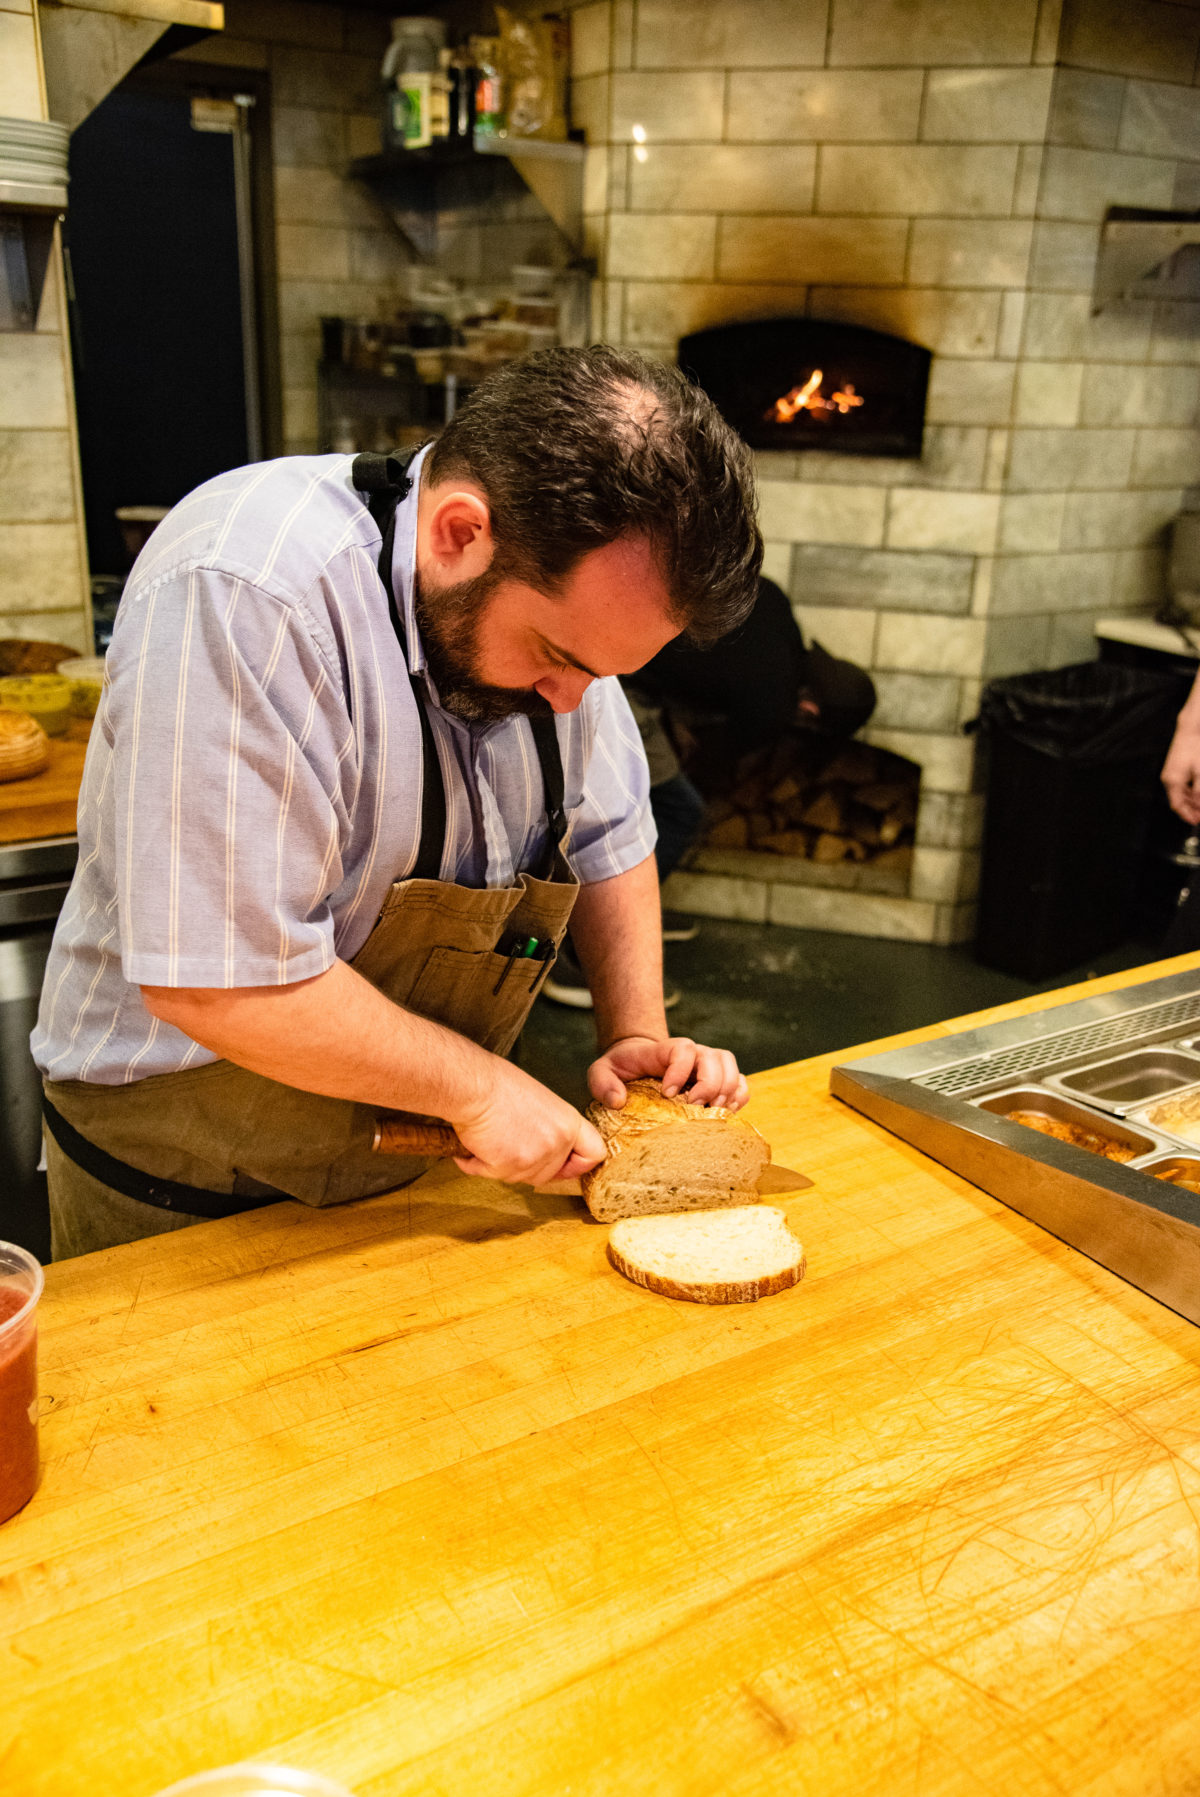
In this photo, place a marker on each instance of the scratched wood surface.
(419, 1493)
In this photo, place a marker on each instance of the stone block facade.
(43, 562)
(938, 169)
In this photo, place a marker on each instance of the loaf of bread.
(667, 1154)
(710, 1257)
(24, 746)
(30, 655)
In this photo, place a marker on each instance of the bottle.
(463, 79)
(439, 97)
(490, 119)
(410, 68)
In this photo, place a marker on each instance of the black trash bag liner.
(1094, 712)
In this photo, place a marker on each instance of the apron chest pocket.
(456, 987)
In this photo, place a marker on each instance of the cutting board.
(45, 804)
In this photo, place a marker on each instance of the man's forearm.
(336, 1035)
(616, 928)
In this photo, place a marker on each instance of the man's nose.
(563, 692)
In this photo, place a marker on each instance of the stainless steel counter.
(1139, 1226)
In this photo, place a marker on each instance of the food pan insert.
(1179, 1169)
(1122, 1083)
(1132, 1144)
(930, 1094)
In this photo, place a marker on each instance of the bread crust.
(742, 1291)
(645, 1111)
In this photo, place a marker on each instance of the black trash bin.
(1072, 763)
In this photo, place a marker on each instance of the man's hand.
(336, 1034)
(1181, 770)
(522, 1133)
(710, 1074)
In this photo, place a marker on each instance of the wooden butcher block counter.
(420, 1494)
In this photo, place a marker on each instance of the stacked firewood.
(807, 798)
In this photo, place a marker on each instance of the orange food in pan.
(1075, 1133)
(1179, 1176)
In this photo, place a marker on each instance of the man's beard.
(449, 619)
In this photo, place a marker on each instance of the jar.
(411, 67)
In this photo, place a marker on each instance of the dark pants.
(678, 812)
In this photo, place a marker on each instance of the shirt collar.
(404, 568)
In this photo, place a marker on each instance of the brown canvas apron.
(218, 1139)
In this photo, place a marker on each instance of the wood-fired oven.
(803, 383)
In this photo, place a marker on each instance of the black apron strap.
(386, 481)
(545, 739)
(131, 1182)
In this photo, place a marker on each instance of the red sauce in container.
(18, 1402)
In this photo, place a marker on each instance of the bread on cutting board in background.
(710, 1257)
(668, 1154)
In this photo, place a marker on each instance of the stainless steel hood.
(1138, 1226)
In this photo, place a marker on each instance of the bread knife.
(396, 1133)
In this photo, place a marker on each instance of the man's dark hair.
(578, 447)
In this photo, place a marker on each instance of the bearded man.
(362, 752)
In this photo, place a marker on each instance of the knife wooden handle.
(416, 1135)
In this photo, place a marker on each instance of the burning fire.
(809, 398)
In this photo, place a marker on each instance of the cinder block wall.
(337, 252)
(938, 169)
(43, 564)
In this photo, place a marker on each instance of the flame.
(809, 398)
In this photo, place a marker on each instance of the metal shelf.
(476, 181)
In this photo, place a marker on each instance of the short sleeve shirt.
(252, 785)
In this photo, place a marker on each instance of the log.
(785, 842)
(882, 795)
(731, 833)
(826, 812)
(857, 764)
(893, 860)
(863, 825)
(892, 827)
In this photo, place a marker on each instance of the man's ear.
(460, 534)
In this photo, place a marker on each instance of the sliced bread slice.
(710, 1257)
(667, 1154)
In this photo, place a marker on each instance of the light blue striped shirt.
(252, 782)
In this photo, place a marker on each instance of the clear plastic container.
(255, 1778)
(86, 675)
(20, 1289)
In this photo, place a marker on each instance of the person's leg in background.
(677, 809)
(678, 814)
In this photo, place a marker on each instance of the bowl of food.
(44, 697)
(86, 676)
